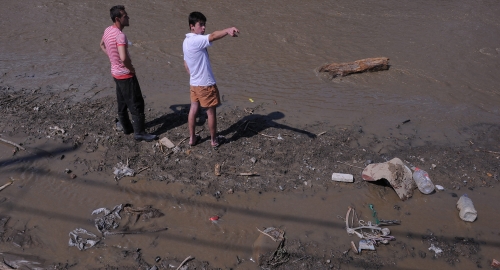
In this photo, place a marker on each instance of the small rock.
(73, 176)
(253, 160)
(230, 191)
(67, 171)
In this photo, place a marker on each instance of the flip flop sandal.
(196, 140)
(220, 140)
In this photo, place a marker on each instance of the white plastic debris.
(467, 210)
(166, 142)
(438, 187)
(82, 239)
(121, 170)
(343, 177)
(436, 250)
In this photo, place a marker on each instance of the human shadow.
(254, 124)
(178, 117)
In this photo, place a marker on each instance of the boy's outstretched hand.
(232, 31)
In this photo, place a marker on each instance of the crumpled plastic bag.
(121, 170)
(82, 239)
(108, 220)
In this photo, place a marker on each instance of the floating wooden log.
(344, 69)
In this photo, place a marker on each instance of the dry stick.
(262, 134)
(321, 133)
(6, 185)
(12, 143)
(183, 262)
(142, 169)
(350, 165)
(477, 150)
(274, 239)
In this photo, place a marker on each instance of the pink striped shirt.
(113, 38)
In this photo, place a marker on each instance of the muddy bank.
(286, 161)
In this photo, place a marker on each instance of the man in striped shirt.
(128, 92)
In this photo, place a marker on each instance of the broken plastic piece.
(396, 172)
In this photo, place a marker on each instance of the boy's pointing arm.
(232, 31)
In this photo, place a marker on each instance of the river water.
(444, 57)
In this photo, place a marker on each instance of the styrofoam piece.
(343, 177)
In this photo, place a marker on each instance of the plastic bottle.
(466, 207)
(423, 181)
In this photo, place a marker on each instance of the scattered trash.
(167, 143)
(495, 263)
(467, 210)
(423, 181)
(365, 244)
(18, 261)
(58, 129)
(249, 174)
(270, 241)
(436, 250)
(369, 233)
(374, 213)
(394, 171)
(217, 169)
(121, 170)
(251, 100)
(354, 248)
(440, 188)
(275, 233)
(343, 177)
(108, 220)
(214, 219)
(406, 121)
(82, 239)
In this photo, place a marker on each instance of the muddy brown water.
(444, 58)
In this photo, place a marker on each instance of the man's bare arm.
(232, 31)
(127, 62)
(103, 46)
(186, 66)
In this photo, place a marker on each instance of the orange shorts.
(207, 96)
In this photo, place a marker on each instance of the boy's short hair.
(195, 17)
(115, 12)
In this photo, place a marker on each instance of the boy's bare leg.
(212, 124)
(193, 111)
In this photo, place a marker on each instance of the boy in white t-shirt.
(203, 89)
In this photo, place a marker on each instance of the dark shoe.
(145, 137)
(124, 123)
(139, 130)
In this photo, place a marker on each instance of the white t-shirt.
(196, 57)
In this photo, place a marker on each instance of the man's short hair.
(195, 17)
(115, 12)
